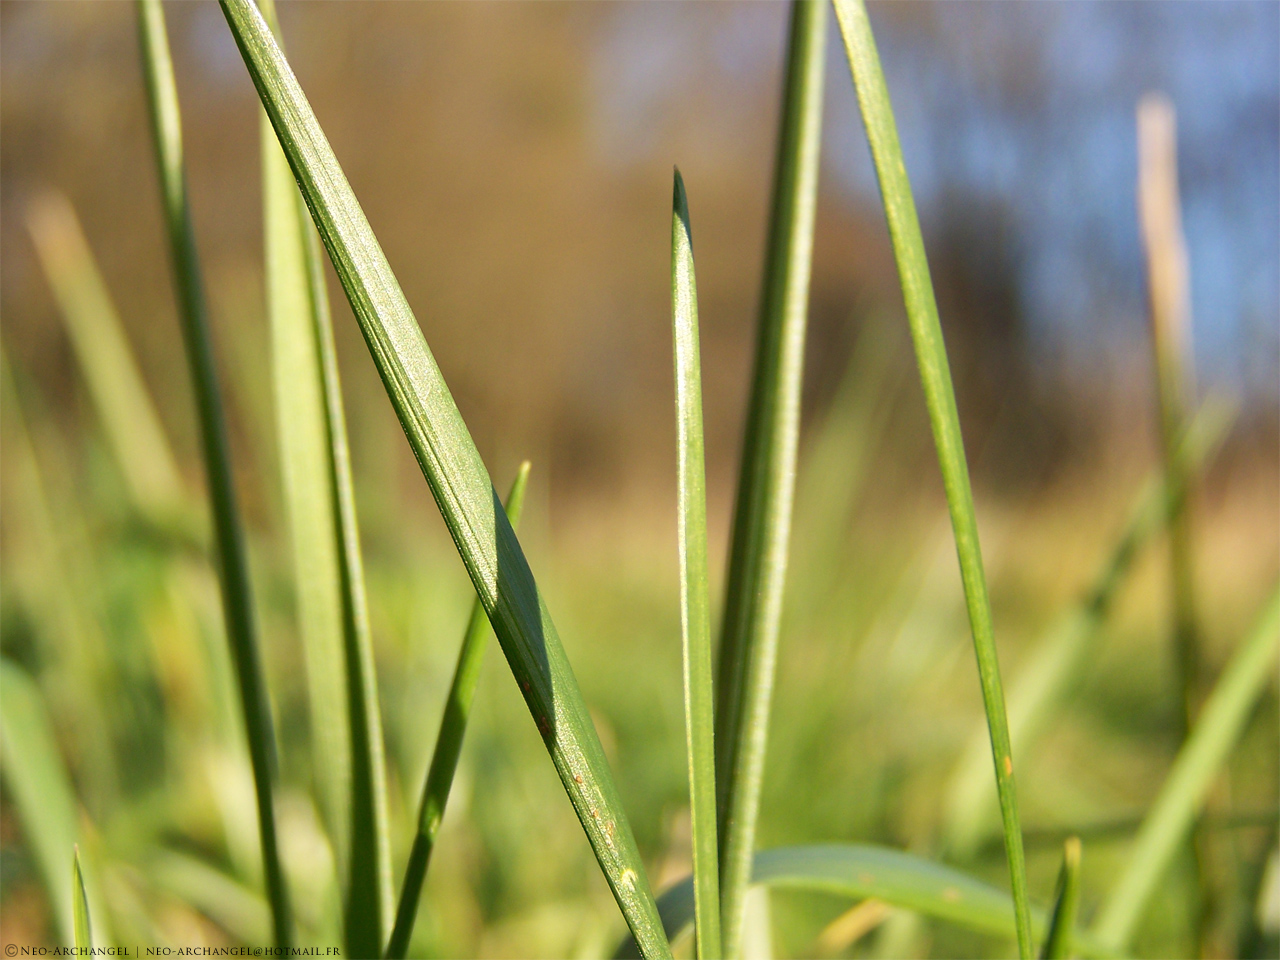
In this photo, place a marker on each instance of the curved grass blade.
(456, 475)
(695, 604)
(333, 613)
(444, 759)
(870, 872)
(242, 912)
(103, 354)
(935, 377)
(766, 479)
(1064, 651)
(1058, 941)
(80, 905)
(1181, 797)
(233, 570)
(41, 791)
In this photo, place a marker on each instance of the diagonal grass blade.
(232, 566)
(695, 604)
(1182, 795)
(935, 377)
(444, 760)
(766, 479)
(1062, 922)
(328, 567)
(456, 475)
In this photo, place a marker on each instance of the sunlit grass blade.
(333, 614)
(232, 565)
(101, 347)
(241, 912)
(41, 791)
(1062, 922)
(80, 905)
(880, 873)
(766, 478)
(456, 475)
(935, 377)
(1059, 658)
(1171, 816)
(695, 603)
(444, 759)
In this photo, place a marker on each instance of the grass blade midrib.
(762, 517)
(233, 569)
(695, 603)
(935, 378)
(456, 476)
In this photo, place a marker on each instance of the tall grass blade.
(456, 475)
(766, 479)
(444, 759)
(232, 565)
(1062, 922)
(1062, 654)
(935, 377)
(41, 791)
(80, 905)
(695, 604)
(870, 872)
(103, 354)
(348, 749)
(1181, 797)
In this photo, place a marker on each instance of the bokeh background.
(515, 161)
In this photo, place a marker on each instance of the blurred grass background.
(525, 208)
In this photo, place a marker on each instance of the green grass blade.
(935, 377)
(348, 748)
(1062, 922)
(241, 912)
(232, 565)
(695, 603)
(41, 790)
(766, 480)
(444, 759)
(1063, 653)
(456, 475)
(1182, 796)
(870, 872)
(80, 905)
(103, 354)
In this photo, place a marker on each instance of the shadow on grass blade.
(456, 475)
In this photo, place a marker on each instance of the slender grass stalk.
(232, 566)
(328, 567)
(935, 377)
(103, 354)
(456, 475)
(1182, 796)
(1170, 304)
(80, 905)
(892, 876)
(1062, 922)
(695, 603)
(766, 479)
(1064, 651)
(444, 759)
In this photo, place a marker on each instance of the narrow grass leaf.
(80, 905)
(880, 873)
(232, 565)
(1059, 658)
(444, 759)
(106, 360)
(1062, 922)
(1182, 796)
(935, 377)
(456, 475)
(695, 603)
(240, 911)
(347, 744)
(766, 478)
(41, 791)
